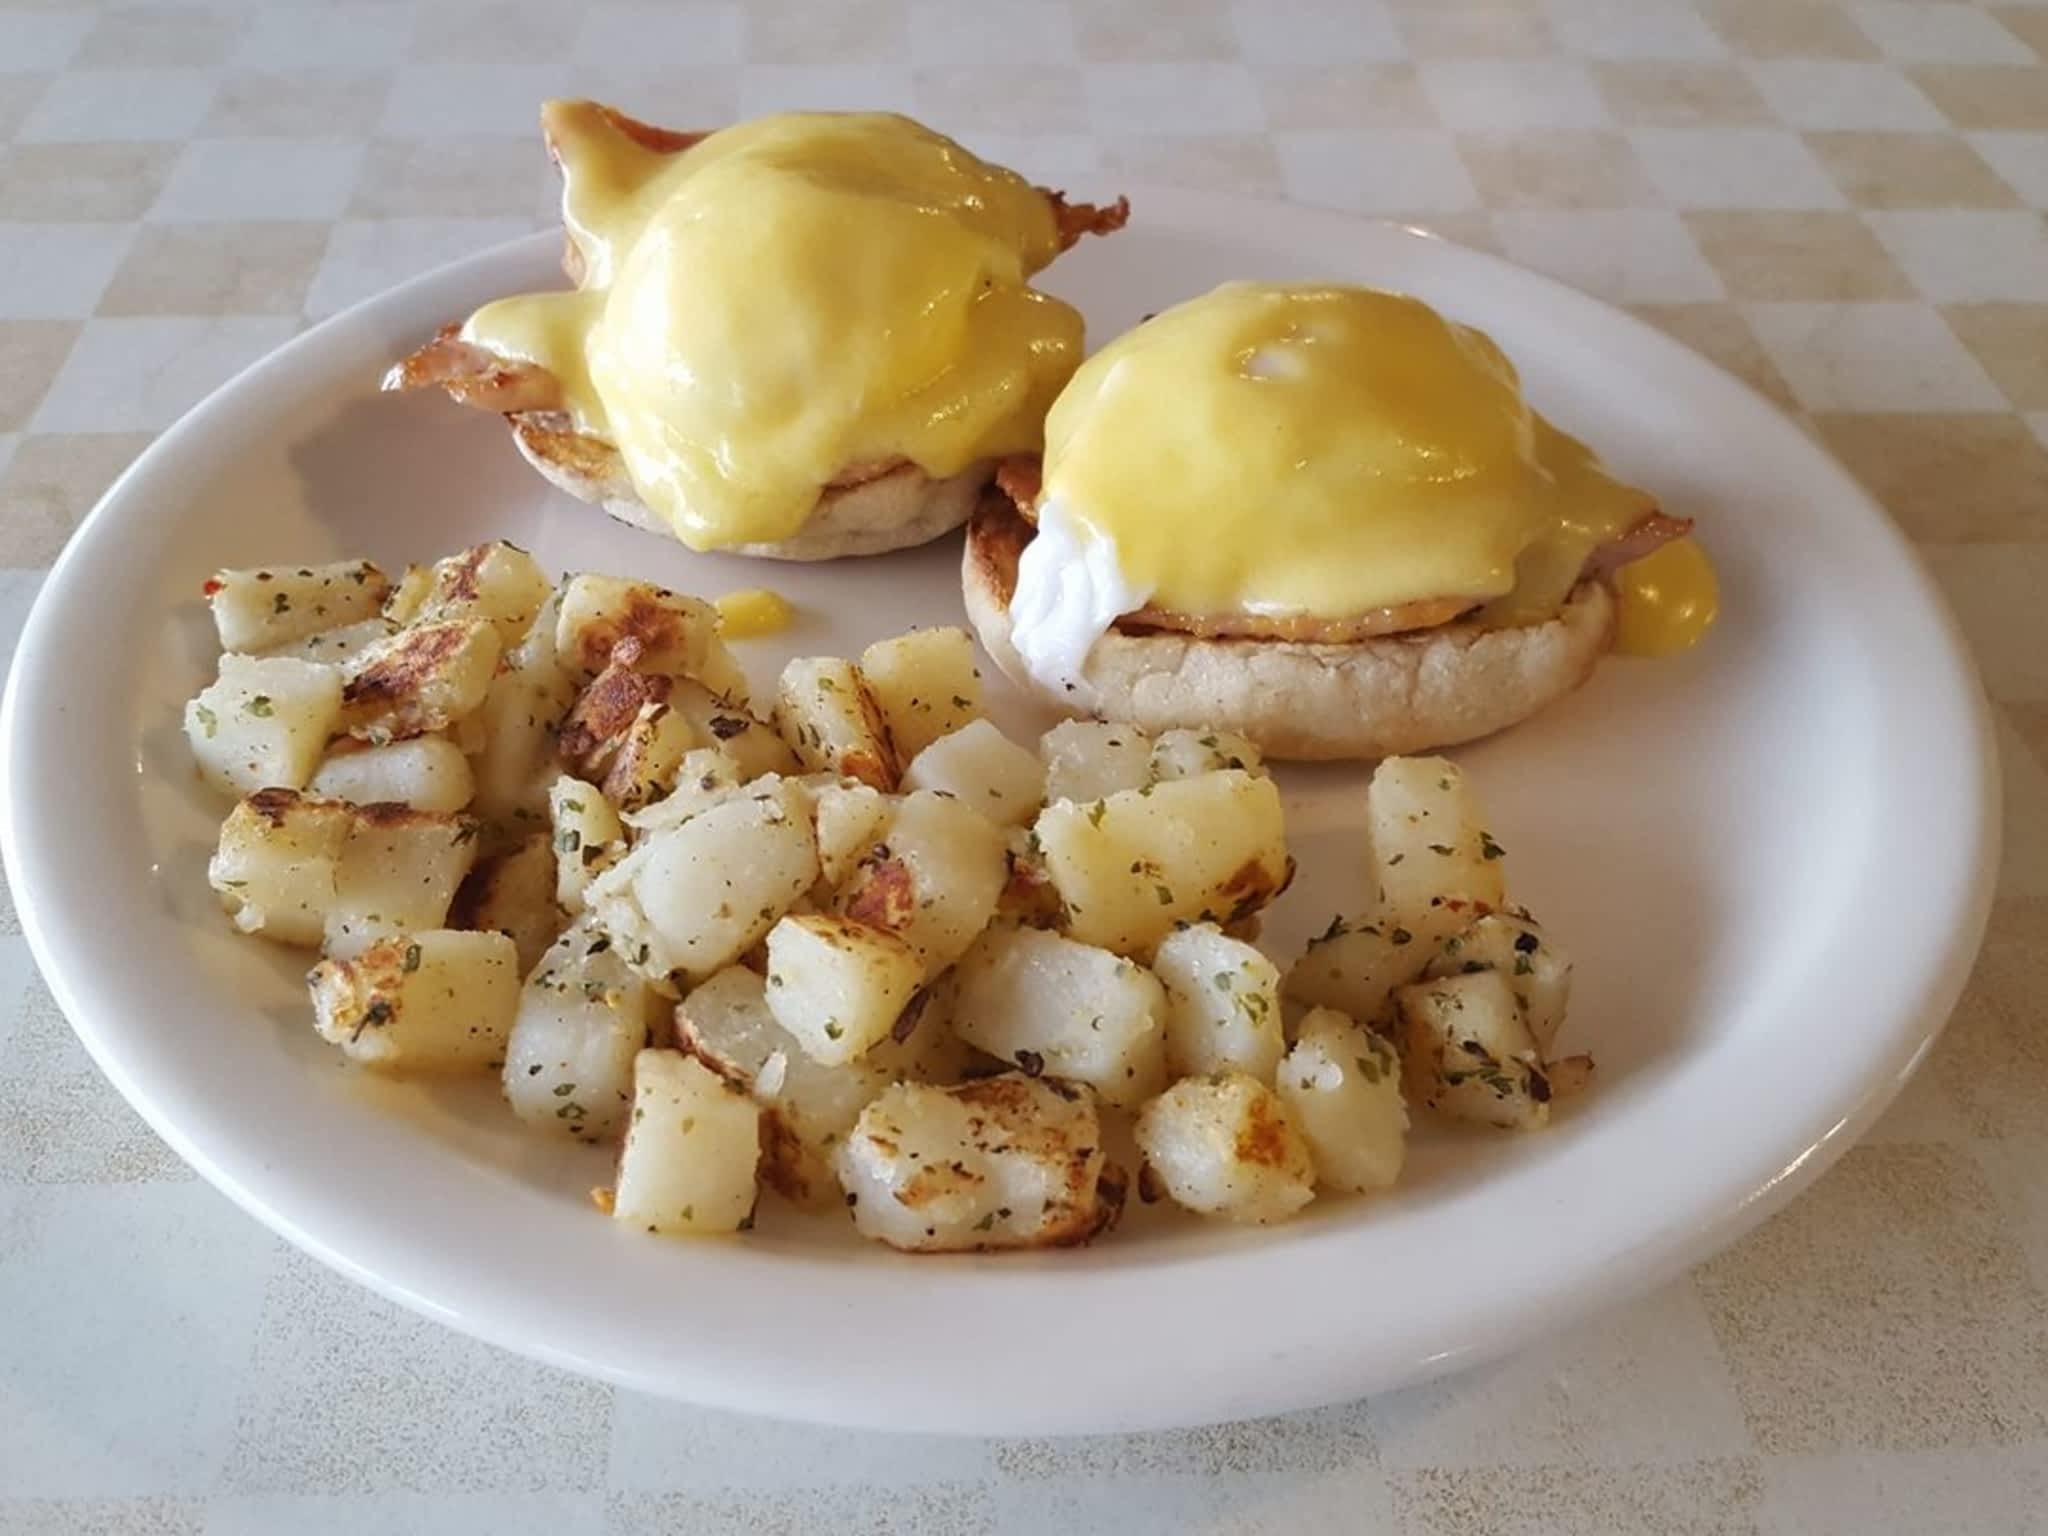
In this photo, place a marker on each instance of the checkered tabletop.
(1841, 203)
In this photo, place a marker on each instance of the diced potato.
(1006, 1162)
(1511, 943)
(838, 985)
(1226, 1146)
(428, 773)
(751, 743)
(666, 632)
(1430, 849)
(261, 609)
(1051, 1005)
(583, 1016)
(982, 767)
(1210, 849)
(339, 646)
(1342, 1084)
(497, 581)
(1029, 898)
(807, 1109)
(398, 873)
(705, 776)
(1467, 1053)
(433, 1001)
(720, 672)
(832, 723)
(691, 1150)
(926, 684)
(599, 721)
(513, 892)
(521, 713)
(408, 593)
(587, 838)
(934, 882)
(1222, 1004)
(1182, 754)
(851, 818)
(263, 723)
(693, 899)
(1354, 968)
(648, 758)
(1092, 759)
(423, 679)
(274, 868)
(922, 1046)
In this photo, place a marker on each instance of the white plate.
(1771, 859)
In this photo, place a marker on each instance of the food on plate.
(805, 336)
(1325, 519)
(864, 951)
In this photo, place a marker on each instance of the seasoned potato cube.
(1182, 754)
(599, 721)
(339, 646)
(832, 722)
(1029, 899)
(423, 679)
(583, 1016)
(934, 882)
(263, 723)
(1051, 1005)
(513, 893)
(428, 773)
(982, 767)
(691, 1150)
(1354, 968)
(274, 868)
(648, 758)
(1006, 1162)
(837, 985)
(1430, 848)
(1226, 1146)
(669, 633)
(1467, 1053)
(433, 1001)
(515, 761)
(752, 744)
(1511, 943)
(721, 674)
(408, 593)
(1210, 849)
(696, 897)
(398, 873)
(1222, 1004)
(259, 610)
(1342, 1084)
(705, 776)
(1093, 759)
(806, 1108)
(497, 581)
(922, 1046)
(587, 838)
(851, 818)
(926, 684)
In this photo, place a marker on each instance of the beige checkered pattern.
(1841, 203)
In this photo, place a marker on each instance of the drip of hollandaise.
(786, 299)
(1321, 452)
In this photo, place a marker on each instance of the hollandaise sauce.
(1325, 451)
(785, 299)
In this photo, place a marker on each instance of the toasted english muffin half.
(1305, 700)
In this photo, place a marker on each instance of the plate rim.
(1649, 1262)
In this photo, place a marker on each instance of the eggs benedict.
(804, 336)
(1326, 518)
